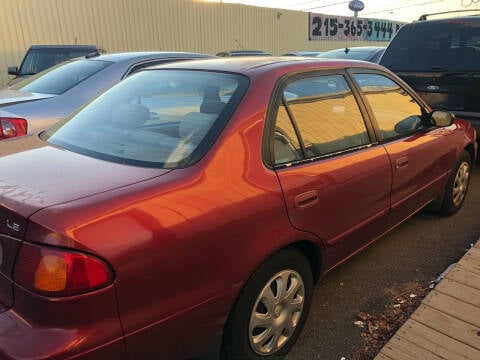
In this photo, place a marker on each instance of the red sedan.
(188, 211)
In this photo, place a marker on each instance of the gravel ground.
(377, 329)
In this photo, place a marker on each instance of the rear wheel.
(457, 185)
(271, 309)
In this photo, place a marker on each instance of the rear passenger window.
(395, 111)
(285, 142)
(326, 114)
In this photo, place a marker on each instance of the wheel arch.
(306, 248)
(312, 253)
(470, 149)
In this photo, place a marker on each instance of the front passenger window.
(395, 111)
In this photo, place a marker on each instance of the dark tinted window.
(37, 60)
(452, 45)
(158, 118)
(62, 77)
(326, 114)
(395, 111)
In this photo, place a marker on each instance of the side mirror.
(441, 118)
(408, 125)
(13, 70)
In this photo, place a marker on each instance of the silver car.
(43, 99)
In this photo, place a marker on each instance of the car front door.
(420, 154)
(335, 180)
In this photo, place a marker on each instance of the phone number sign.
(331, 27)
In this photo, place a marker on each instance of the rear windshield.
(156, 118)
(59, 79)
(354, 54)
(452, 45)
(37, 60)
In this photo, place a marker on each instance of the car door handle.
(306, 199)
(401, 162)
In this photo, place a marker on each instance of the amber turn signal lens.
(58, 272)
(51, 274)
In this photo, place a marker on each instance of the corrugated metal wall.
(180, 25)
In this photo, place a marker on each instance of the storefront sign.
(332, 27)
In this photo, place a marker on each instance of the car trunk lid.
(36, 175)
(11, 97)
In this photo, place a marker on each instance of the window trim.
(352, 71)
(150, 62)
(277, 99)
(293, 121)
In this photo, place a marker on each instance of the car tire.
(457, 185)
(267, 320)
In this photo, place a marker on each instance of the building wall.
(128, 25)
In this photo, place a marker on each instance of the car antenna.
(347, 50)
(238, 42)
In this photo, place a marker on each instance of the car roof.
(359, 48)
(461, 20)
(249, 65)
(303, 52)
(145, 55)
(34, 47)
(469, 18)
(244, 51)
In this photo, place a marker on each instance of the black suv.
(440, 59)
(41, 57)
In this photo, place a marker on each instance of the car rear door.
(421, 155)
(335, 180)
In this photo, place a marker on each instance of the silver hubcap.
(276, 313)
(461, 183)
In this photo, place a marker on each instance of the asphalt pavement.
(416, 251)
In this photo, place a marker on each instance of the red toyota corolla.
(188, 211)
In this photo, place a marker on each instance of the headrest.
(211, 93)
(194, 126)
(212, 107)
(130, 116)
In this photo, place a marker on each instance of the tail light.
(57, 272)
(12, 127)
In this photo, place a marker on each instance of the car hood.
(35, 175)
(10, 97)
